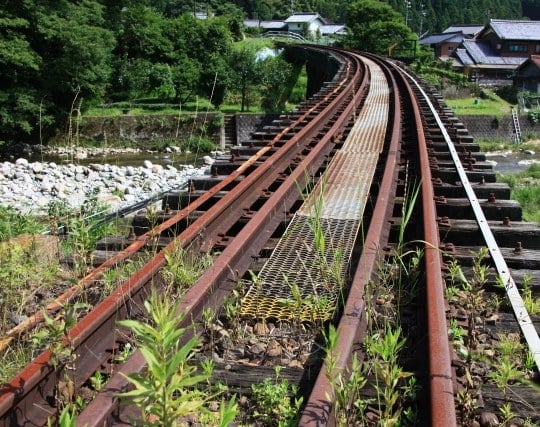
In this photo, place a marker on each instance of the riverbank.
(30, 187)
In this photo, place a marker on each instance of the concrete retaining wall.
(490, 127)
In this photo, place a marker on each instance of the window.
(517, 47)
(537, 50)
(450, 48)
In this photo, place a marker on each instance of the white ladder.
(517, 128)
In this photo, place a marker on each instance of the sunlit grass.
(525, 187)
(476, 106)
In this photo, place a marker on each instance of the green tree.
(278, 78)
(246, 72)
(50, 52)
(375, 26)
(19, 64)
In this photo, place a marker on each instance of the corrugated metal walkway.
(303, 277)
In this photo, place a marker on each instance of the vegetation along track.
(343, 251)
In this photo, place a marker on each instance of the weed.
(13, 223)
(389, 375)
(98, 381)
(457, 335)
(182, 268)
(507, 413)
(231, 308)
(55, 332)
(531, 303)
(505, 374)
(67, 418)
(275, 401)
(466, 403)
(471, 297)
(164, 392)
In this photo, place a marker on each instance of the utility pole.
(407, 7)
(423, 13)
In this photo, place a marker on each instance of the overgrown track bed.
(332, 257)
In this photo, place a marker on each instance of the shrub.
(198, 144)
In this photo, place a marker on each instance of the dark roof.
(442, 38)
(516, 30)
(466, 29)
(481, 53)
(534, 59)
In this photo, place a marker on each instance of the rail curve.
(308, 222)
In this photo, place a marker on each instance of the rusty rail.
(28, 398)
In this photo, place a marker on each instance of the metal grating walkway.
(303, 277)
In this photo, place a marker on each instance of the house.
(468, 30)
(443, 44)
(266, 25)
(306, 23)
(446, 42)
(527, 75)
(495, 53)
(310, 25)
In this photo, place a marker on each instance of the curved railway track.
(321, 208)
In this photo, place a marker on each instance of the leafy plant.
(165, 391)
(198, 144)
(13, 223)
(349, 405)
(274, 405)
(390, 376)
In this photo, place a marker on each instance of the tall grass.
(525, 187)
(12, 223)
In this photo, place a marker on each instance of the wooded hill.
(62, 56)
(431, 15)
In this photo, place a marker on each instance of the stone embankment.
(29, 187)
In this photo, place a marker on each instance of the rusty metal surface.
(28, 388)
(351, 327)
(443, 411)
(238, 254)
(314, 253)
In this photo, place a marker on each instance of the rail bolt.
(506, 221)
(491, 198)
(519, 248)
(440, 199)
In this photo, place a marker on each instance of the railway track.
(348, 211)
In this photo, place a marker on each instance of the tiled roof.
(441, 38)
(467, 29)
(479, 52)
(463, 57)
(534, 59)
(516, 30)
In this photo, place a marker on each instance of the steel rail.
(518, 306)
(233, 262)
(441, 389)
(32, 377)
(318, 410)
(142, 240)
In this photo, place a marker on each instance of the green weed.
(275, 401)
(166, 391)
(13, 223)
